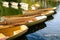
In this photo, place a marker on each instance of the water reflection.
(36, 27)
(50, 18)
(55, 12)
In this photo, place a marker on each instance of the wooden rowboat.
(12, 32)
(38, 13)
(50, 11)
(46, 11)
(31, 20)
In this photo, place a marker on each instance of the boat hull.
(48, 13)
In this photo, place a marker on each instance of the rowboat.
(38, 13)
(30, 20)
(45, 11)
(12, 32)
